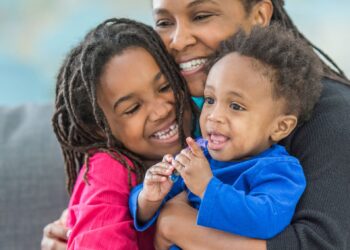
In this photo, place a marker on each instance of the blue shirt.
(255, 197)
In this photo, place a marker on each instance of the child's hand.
(156, 184)
(193, 167)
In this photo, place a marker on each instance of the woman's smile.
(192, 66)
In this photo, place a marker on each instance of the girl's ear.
(262, 13)
(282, 127)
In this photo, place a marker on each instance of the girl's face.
(193, 29)
(139, 105)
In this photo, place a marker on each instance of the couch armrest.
(32, 185)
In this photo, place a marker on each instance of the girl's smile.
(168, 134)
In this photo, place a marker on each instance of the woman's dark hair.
(79, 123)
(280, 16)
(286, 60)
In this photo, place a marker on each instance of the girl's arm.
(177, 225)
(98, 212)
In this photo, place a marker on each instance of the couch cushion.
(32, 185)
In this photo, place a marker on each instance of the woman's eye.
(132, 110)
(208, 100)
(201, 17)
(165, 88)
(236, 106)
(163, 23)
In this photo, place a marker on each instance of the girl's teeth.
(171, 131)
(190, 65)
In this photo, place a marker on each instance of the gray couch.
(32, 184)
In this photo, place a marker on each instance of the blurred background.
(36, 34)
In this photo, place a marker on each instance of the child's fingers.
(167, 158)
(177, 165)
(183, 159)
(186, 153)
(195, 149)
(152, 178)
(161, 168)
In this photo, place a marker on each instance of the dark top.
(322, 217)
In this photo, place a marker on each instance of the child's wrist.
(205, 185)
(144, 198)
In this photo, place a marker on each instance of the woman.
(192, 30)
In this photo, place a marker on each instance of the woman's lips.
(192, 66)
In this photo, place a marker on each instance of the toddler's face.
(139, 105)
(239, 114)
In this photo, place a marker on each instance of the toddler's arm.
(146, 199)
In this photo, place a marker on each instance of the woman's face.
(139, 105)
(193, 29)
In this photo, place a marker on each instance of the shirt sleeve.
(261, 212)
(98, 212)
(322, 217)
(133, 205)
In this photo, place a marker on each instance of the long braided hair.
(78, 122)
(280, 16)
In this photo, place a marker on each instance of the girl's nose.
(181, 38)
(160, 110)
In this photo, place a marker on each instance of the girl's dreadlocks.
(79, 123)
(280, 16)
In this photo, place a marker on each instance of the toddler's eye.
(236, 106)
(208, 100)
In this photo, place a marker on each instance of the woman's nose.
(181, 37)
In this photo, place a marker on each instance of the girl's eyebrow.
(156, 78)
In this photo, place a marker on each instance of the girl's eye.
(200, 17)
(208, 100)
(132, 110)
(236, 106)
(165, 88)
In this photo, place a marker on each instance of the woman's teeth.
(193, 64)
(168, 133)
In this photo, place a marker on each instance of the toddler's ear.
(283, 126)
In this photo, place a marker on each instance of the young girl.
(120, 106)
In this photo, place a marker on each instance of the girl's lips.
(167, 135)
(217, 141)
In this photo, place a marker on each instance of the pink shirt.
(98, 214)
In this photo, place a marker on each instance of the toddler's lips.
(217, 141)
